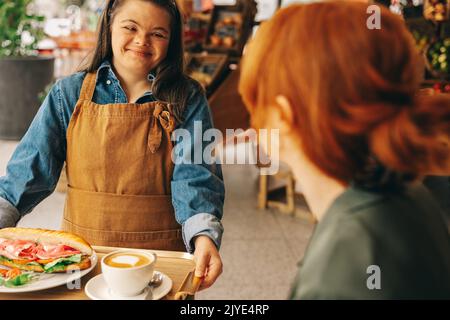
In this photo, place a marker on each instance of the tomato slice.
(68, 248)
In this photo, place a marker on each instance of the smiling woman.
(140, 35)
(144, 37)
(111, 123)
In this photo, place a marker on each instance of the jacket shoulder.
(394, 233)
(70, 86)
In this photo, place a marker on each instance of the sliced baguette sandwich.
(42, 250)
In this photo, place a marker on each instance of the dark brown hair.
(353, 92)
(171, 84)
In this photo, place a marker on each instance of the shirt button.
(108, 82)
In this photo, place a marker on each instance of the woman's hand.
(208, 262)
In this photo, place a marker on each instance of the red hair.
(352, 90)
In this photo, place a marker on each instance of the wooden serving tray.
(176, 265)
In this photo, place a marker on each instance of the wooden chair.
(286, 178)
(294, 203)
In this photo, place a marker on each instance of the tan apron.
(119, 170)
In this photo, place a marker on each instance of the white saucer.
(96, 289)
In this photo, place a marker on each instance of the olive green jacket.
(377, 246)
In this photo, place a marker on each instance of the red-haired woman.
(358, 139)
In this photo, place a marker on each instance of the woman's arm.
(34, 168)
(197, 187)
(198, 190)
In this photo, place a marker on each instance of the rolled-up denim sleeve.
(9, 216)
(34, 168)
(198, 190)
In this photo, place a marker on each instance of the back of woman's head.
(352, 90)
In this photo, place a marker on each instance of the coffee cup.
(128, 272)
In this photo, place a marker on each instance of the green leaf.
(58, 267)
(76, 258)
(20, 280)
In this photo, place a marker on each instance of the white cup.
(130, 281)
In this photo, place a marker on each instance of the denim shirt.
(34, 169)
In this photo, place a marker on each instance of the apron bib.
(119, 169)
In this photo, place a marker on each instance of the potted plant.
(23, 73)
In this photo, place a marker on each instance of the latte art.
(127, 260)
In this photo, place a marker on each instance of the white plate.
(51, 280)
(97, 289)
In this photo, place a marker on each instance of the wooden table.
(177, 265)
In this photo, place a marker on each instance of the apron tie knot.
(161, 118)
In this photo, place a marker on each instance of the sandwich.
(41, 250)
